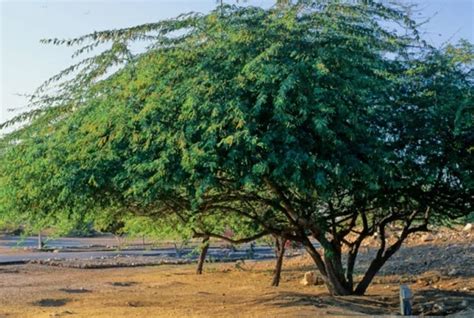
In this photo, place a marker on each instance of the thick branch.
(225, 238)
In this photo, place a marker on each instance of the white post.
(40, 241)
(405, 300)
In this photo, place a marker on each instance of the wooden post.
(405, 300)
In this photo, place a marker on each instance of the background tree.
(280, 246)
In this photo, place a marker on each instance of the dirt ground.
(442, 283)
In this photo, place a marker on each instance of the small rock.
(467, 228)
(427, 238)
(429, 278)
(308, 279)
(56, 251)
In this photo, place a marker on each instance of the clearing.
(438, 268)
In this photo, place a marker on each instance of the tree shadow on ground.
(441, 302)
(123, 284)
(373, 305)
(75, 290)
(437, 302)
(49, 302)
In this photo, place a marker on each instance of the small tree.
(280, 246)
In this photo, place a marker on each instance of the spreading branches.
(231, 240)
(309, 119)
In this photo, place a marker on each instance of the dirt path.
(224, 290)
(150, 292)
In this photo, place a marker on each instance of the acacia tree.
(309, 120)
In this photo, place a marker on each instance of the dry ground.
(232, 290)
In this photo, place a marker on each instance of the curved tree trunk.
(280, 253)
(382, 256)
(202, 255)
(332, 271)
(328, 273)
(336, 279)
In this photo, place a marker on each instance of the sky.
(25, 63)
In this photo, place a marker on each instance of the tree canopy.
(327, 120)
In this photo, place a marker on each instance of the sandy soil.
(224, 290)
(238, 289)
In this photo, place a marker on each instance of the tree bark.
(351, 259)
(334, 280)
(369, 276)
(280, 253)
(331, 278)
(202, 255)
(334, 268)
(382, 256)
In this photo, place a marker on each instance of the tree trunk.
(280, 253)
(376, 264)
(369, 276)
(177, 250)
(336, 285)
(118, 238)
(382, 256)
(202, 255)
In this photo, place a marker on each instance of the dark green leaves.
(247, 110)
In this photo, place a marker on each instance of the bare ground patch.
(439, 273)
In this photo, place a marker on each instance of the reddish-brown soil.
(440, 275)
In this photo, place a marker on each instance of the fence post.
(405, 300)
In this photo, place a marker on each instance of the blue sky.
(25, 63)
